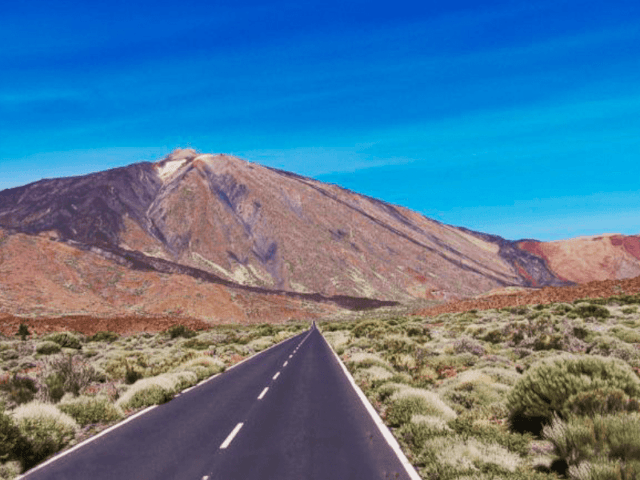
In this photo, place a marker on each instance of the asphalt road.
(287, 413)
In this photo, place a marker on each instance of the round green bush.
(47, 347)
(86, 410)
(45, 429)
(544, 389)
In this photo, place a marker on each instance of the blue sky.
(516, 118)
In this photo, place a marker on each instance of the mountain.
(588, 259)
(243, 227)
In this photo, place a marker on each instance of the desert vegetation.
(526, 392)
(59, 388)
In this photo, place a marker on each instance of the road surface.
(287, 413)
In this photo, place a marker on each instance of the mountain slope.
(255, 226)
(249, 228)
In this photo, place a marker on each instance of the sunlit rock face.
(225, 220)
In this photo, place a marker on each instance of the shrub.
(155, 390)
(466, 427)
(601, 401)
(338, 340)
(394, 344)
(65, 340)
(86, 410)
(104, 336)
(544, 389)
(47, 347)
(67, 373)
(408, 401)
(417, 330)
(45, 429)
(19, 389)
(203, 367)
(10, 437)
(364, 360)
(448, 456)
(599, 447)
(23, 332)
(131, 376)
(363, 328)
(420, 429)
(592, 311)
(9, 470)
(626, 334)
(176, 331)
(465, 344)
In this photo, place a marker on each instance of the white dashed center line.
(264, 392)
(231, 436)
(285, 363)
(291, 356)
(276, 375)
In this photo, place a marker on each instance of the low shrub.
(9, 470)
(155, 390)
(362, 329)
(470, 345)
(10, 437)
(601, 401)
(417, 330)
(543, 390)
(179, 330)
(67, 373)
(364, 360)
(203, 367)
(104, 336)
(421, 428)
(592, 311)
(86, 410)
(467, 426)
(46, 430)
(65, 340)
(408, 401)
(47, 348)
(394, 344)
(19, 389)
(626, 334)
(599, 447)
(451, 456)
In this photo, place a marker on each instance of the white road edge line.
(231, 436)
(88, 440)
(140, 413)
(276, 375)
(264, 392)
(384, 430)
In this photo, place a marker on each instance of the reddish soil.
(89, 325)
(605, 288)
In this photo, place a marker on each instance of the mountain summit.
(228, 221)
